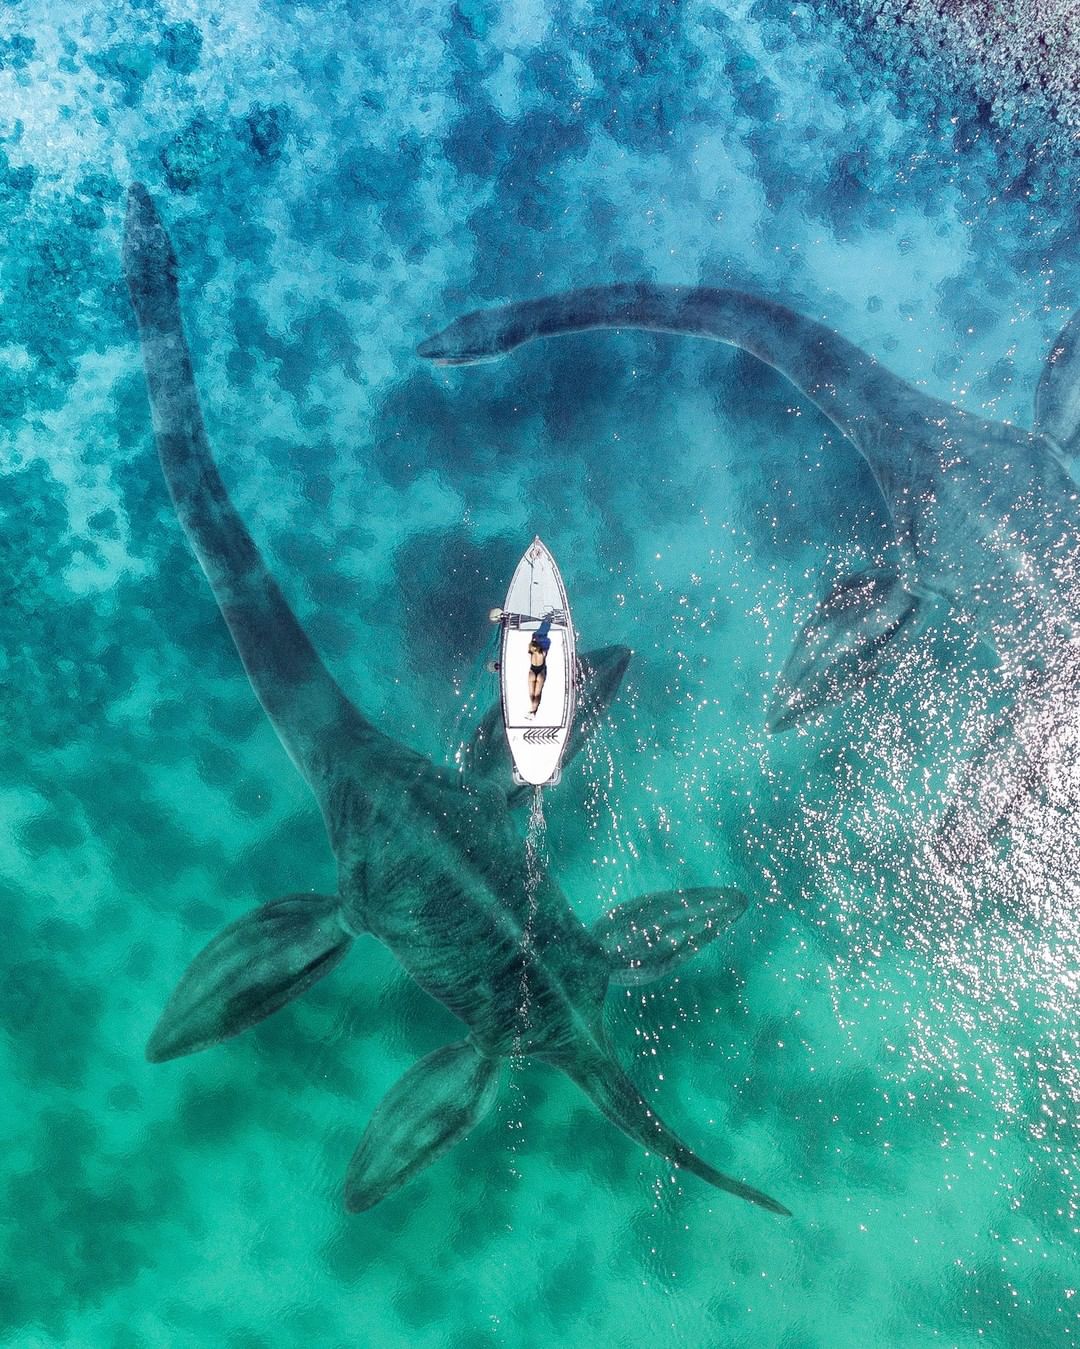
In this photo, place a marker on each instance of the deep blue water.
(891, 1050)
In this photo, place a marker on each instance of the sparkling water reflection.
(889, 1034)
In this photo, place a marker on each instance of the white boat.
(536, 607)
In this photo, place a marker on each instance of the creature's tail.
(608, 1087)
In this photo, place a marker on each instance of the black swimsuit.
(538, 669)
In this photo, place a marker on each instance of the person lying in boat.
(538, 649)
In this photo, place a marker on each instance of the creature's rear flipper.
(841, 644)
(433, 1107)
(258, 964)
(1057, 399)
(608, 1087)
(647, 938)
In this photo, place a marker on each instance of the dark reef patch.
(181, 46)
(445, 584)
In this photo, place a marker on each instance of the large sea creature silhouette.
(983, 512)
(429, 861)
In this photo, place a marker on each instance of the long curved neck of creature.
(301, 698)
(868, 403)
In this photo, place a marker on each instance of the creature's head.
(466, 341)
(148, 257)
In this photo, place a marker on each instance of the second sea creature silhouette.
(983, 514)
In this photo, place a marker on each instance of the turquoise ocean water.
(892, 1052)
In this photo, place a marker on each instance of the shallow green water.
(889, 1049)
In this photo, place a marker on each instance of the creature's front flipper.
(255, 966)
(841, 644)
(433, 1107)
(315, 721)
(1057, 399)
(605, 1083)
(600, 676)
(486, 754)
(600, 673)
(647, 938)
